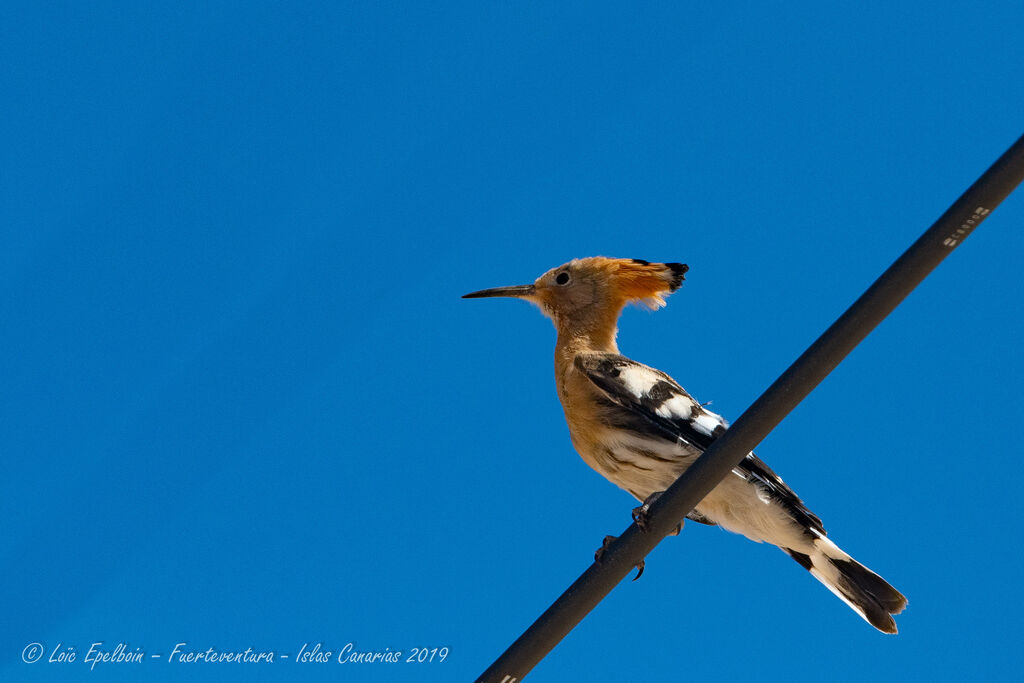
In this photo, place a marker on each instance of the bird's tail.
(867, 593)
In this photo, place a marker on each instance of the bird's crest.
(641, 282)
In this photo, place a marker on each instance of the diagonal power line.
(762, 416)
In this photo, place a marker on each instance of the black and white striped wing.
(649, 402)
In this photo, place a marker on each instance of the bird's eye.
(562, 278)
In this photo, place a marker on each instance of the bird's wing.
(649, 402)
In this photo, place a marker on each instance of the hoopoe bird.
(640, 430)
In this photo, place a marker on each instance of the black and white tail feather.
(867, 593)
(656, 430)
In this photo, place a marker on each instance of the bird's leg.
(641, 512)
(599, 553)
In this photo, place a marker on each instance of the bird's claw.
(639, 570)
(640, 516)
(642, 511)
(599, 553)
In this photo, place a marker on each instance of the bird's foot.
(599, 553)
(641, 513)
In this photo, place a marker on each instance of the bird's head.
(589, 292)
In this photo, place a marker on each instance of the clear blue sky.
(244, 406)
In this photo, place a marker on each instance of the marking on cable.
(966, 227)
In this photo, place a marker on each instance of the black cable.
(762, 416)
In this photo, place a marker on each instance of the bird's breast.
(638, 464)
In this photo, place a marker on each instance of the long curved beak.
(519, 291)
